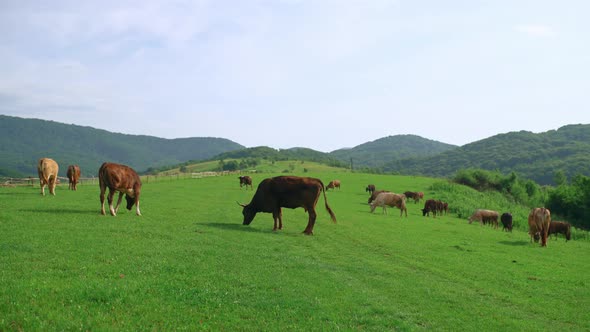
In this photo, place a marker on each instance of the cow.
(375, 194)
(370, 189)
(390, 199)
(333, 184)
(484, 217)
(246, 181)
(291, 192)
(421, 195)
(506, 219)
(445, 208)
(556, 227)
(47, 169)
(429, 206)
(73, 176)
(119, 178)
(539, 220)
(412, 195)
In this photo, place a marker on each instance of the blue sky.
(318, 74)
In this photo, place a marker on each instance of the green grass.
(189, 264)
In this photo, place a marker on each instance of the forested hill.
(534, 156)
(378, 153)
(24, 141)
(264, 152)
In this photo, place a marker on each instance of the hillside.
(24, 141)
(534, 156)
(378, 153)
(264, 152)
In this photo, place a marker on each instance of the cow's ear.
(242, 205)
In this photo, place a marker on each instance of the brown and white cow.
(246, 181)
(485, 216)
(413, 195)
(370, 188)
(557, 227)
(73, 176)
(333, 184)
(539, 221)
(47, 169)
(291, 192)
(119, 178)
(385, 199)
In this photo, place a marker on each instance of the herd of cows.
(273, 194)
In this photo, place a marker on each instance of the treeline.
(567, 201)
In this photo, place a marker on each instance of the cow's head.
(568, 233)
(537, 236)
(130, 198)
(249, 213)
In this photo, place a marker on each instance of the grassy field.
(189, 264)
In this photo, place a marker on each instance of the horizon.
(288, 73)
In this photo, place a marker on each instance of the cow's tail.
(332, 216)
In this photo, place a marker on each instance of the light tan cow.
(385, 199)
(539, 221)
(47, 169)
(485, 216)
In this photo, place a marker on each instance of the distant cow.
(390, 199)
(484, 217)
(429, 206)
(556, 227)
(370, 188)
(47, 169)
(413, 196)
(246, 181)
(73, 176)
(506, 220)
(539, 221)
(333, 184)
(119, 178)
(290, 192)
(375, 194)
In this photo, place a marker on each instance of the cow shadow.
(232, 227)
(514, 243)
(62, 211)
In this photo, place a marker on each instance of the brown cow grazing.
(370, 188)
(246, 181)
(539, 221)
(390, 199)
(119, 178)
(421, 195)
(506, 220)
(375, 194)
(73, 176)
(47, 169)
(290, 192)
(484, 217)
(333, 184)
(412, 195)
(556, 227)
(429, 206)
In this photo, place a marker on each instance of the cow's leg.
(42, 183)
(277, 217)
(102, 190)
(110, 200)
(137, 205)
(52, 184)
(312, 216)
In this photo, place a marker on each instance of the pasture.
(189, 264)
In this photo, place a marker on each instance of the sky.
(321, 74)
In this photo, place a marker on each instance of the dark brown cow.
(73, 176)
(429, 206)
(47, 169)
(333, 184)
(375, 194)
(556, 227)
(506, 219)
(539, 221)
(485, 216)
(246, 181)
(290, 192)
(370, 188)
(413, 196)
(119, 178)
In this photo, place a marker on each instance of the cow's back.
(47, 168)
